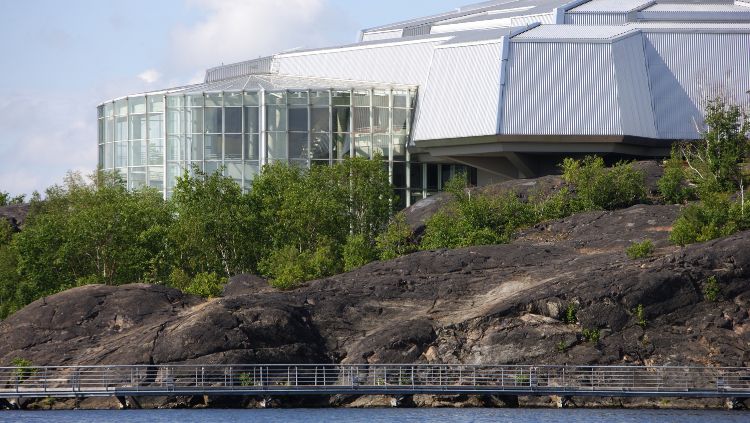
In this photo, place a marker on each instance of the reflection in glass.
(320, 147)
(156, 126)
(137, 153)
(252, 147)
(137, 105)
(252, 120)
(233, 147)
(213, 147)
(298, 145)
(361, 119)
(340, 119)
(213, 120)
(298, 119)
(381, 120)
(137, 127)
(341, 146)
(155, 151)
(319, 119)
(277, 146)
(276, 118)
(121, 128)
(233, 120)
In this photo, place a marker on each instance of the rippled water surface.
(377, 415)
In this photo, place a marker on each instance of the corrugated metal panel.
(399, 63)
(561, 89)
(633, 90)
(596, 18)
(249, 67)
(687, 68)
(462, 93)
(544, 18)
(567, 32)
(382, 35)
(612, 5)
(695, 15)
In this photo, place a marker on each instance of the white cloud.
(236, 30)
(149, 76)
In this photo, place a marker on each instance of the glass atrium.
(152, 138)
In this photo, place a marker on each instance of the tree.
(6, 199)
(215, 230)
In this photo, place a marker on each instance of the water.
(401, 415)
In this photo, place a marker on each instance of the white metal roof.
(611, 6)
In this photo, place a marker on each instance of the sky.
(61, 58)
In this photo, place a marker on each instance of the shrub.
(24, 369)
(711, 290)
(597, 187)
(396, 239)
(570, 314)
(357, 252)
(639, 250)
(556, 206)
(714, 217)
(561, 346)
(288, 267)
(673, 184)
(640, 316)
(206, 285)
(591, 335)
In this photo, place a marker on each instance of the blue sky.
(61, 58)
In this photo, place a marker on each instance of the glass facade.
(150, 140)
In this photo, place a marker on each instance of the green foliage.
(6, 232)
(597, 187)
(673, 185)
(561, 346)
(521, 379)
(246, 379)
(215, 226)
(357, 252)
(591, 335)
(476, 219)
(289, 267)
(714, 163)
(639, 250)
(711, 289)
(555, 206)
(24, 368)
(570, 314)
(640, 316)
(206, 285)
(6, 199)
(396, 240)
(714, 217)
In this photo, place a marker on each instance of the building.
(500, 89)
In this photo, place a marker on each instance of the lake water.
(495, 415)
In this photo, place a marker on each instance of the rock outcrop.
(488, 304)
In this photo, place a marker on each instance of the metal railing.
(236, 379)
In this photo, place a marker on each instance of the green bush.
(396, 240)
(357, 252)
(24, 368)
(591, 335)
(711, 290)
(288, 267)
(639, 250)
(597, 187)
(714, 217)
(640, 315)
(570, 314)
(673, 185)
(206, 285)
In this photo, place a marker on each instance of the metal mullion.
(309, 130)
(263, 135)
(164, 149)
(352, 149)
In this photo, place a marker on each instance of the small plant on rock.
(640, 316)
(639, 250)
(591, 335)
(570, 314)
(561, 346)
(711, 290)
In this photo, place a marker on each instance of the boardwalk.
(392, 379)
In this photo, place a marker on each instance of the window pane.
(195, 100)
(362, 99)
(213, 99)
(298, 119)
(174, 170)
(232, 99)
(252, 145)
(211, 167)
(381, 144)
(252, 99)
(298, 145)
(381, 120)
(276, 117)
(399, 175)
(108, 110)
(341, 98)
(251, 169)
(399, 148)
(137, 178)
(432, 176)
(341, 146)
(361, 119)
(121, 154)
(400, 117)
(195, 117)
(173, 147)
(233, 120)
(137, 105)
(319, 119)
(415, 175)
(156, 126)
(277, 146)
(121, 107)
(380, 99)
(109, 129)
(101, 131)
(175, 101)
(297, 97)
(108, 153)
(194, 146)
(213, 120)
(276, 98)
(234, 171)
(320, 147)
(212, 147)
(399, 100)
(252, 120)
(340, 119)
(137, 153)
(362, 145)
(121, 128)
(319, 98)
(155, 151)
(137, 127)
(233, 147)
(155, 104)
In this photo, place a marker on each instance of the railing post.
(412, 378)
(44, 379)
(296, 376)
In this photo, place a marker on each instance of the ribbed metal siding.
(632, 87)
(561, 89)
(687, 68)
(250, 67)
(694, 16)
(398, 64)
(596, 18)
(543, 18)
(383, 35)
(462, 93)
